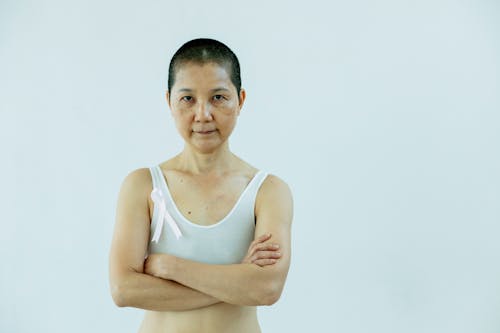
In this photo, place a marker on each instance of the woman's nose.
(203, 112)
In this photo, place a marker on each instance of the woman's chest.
(205, 201)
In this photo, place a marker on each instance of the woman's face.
(204, 105)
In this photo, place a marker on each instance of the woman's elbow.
(271, 294)
(120, 292)
(118, 295)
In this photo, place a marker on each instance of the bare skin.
(205, 180)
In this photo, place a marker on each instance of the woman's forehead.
(193, 76)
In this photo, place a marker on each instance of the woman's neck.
(216, 162)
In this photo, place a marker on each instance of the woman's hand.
(159, 265)
(261, 253)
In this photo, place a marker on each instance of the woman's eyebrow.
(212, 90)
(184, 89)
(219, 88)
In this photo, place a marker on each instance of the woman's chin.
(205, 147)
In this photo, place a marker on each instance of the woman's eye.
(187, 98)
(218, 97)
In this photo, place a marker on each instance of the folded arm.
(245, 283)
(129, 285)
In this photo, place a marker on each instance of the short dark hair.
(206, 50)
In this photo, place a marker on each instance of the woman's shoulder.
(139, 178)
(273, 183)
(274, 197)
(136, 187)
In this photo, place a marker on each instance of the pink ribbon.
(159, 201)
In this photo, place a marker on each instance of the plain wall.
(382, 116)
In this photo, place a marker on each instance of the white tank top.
(225, 242)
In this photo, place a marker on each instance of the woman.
(203, 238)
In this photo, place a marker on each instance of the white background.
(383, 117)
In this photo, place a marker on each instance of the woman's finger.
(258, 240)
(263, 247)
(261, 239)
(264, 262)
(267, 246)
(266, 254)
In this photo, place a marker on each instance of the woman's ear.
(241, 100)
(167, 97)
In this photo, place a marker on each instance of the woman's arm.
(241, 284)
(129, 285)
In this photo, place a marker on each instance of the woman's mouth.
(205, 132)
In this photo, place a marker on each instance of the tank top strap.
(156, 177)
(158, 195)
(259, 178)
(255, 184)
